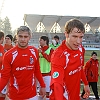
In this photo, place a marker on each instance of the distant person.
(66, 64)
(91, 71)
(15, 40)
(1, 48)
(8, 42)
(2, 94)
(55, 42)
(7, 46)
(20, 68)
(45, 53)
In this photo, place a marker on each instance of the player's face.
(94, 57)
(8, 41)
(23, 39)
(42, 42)
(74, 39)
(2, 39)
(16, 42)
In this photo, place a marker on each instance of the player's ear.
(66, 34)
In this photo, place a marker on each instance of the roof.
(48, 20)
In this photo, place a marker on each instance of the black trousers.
(94, 89)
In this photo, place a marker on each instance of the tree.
(6, 26)
(1, 22)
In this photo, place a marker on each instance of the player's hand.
(87, 91)
(40, 50)
(42, 92)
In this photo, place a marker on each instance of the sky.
(15, 9)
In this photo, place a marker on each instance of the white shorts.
(33, 98)
(47, 80)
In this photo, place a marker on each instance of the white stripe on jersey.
(15, 83)
(67, 59)
(15, 53)
(33, 52)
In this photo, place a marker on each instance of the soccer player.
(1, 47)
(2, 94)
(20, 68)
(8, 42)
(66, 64)
(45, 53)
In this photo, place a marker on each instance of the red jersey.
(21, 67)
(67, 70)
(91, 70)
(1, 55)
(7, 47)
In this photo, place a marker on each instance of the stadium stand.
(51, 25)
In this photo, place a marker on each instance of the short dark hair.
(1, 34)
(93, 53)
(45, 38)
(10, 36)
(56, 36)
(71, 24)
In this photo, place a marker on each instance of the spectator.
(21, 66)
(15, 40)
(66, 64)
(91, 72)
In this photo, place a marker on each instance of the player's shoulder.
(1, 46)
(33, 48)
(58, 52)
(11, 51)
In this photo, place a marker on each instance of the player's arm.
(5, 72)
(86, 86)
(38, 72)
(47, 56)
(38, 76)
(98, 68)
(83, 77)
(1, 56)
(57, 92)
(57, 76)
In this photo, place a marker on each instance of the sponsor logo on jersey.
(75, 71)
(76, 55)
(55, 75)
(25, 68)
(24, 55)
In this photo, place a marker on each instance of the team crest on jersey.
(55, 75)
(31, 60)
